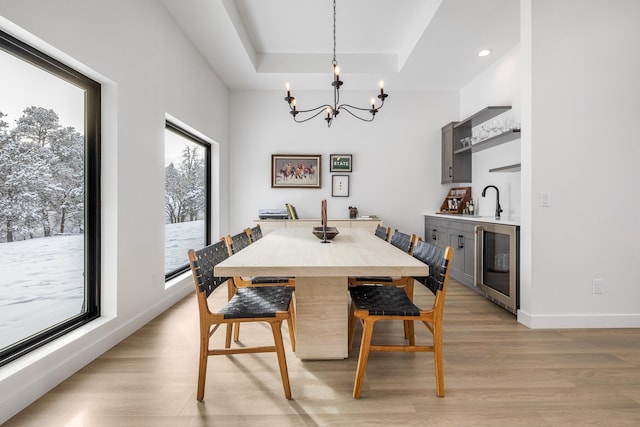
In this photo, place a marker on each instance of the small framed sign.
(340, 186)
(340, 163)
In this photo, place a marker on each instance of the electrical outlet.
(597, 286)
(545, 199)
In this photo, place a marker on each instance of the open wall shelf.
(482, 116)
(507, 136)
(510, 168)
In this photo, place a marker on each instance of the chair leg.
(236, 332)
(282, 360)
(352, 327)
(367, 332)
(409, 332)
(202, 365)
(437, 361)
(408, 324)
(291, 322)
(227, 339)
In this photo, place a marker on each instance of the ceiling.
(410, 44)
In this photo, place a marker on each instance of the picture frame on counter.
(296, 170)
(340, 163)
(340, 185)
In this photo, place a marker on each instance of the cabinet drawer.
(437, 222)
(462, 226)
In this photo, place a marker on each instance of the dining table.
(321, 270)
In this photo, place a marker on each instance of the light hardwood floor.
(497, 373)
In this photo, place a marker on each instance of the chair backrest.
(238, 242)
(403, 241)
(439, 261)
(254, 233)
(383, 232)
(202, 263)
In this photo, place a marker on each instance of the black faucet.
(498, 208)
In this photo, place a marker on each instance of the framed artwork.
(340, 163)
(340, 186)
(295, 170)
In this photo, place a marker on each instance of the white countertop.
(491, 219)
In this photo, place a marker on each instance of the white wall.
(583, 91)
(148, 69)
(396, 158)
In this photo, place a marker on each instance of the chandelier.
(333, 110)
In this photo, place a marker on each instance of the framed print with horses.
(295, 170)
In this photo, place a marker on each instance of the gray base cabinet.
(461, 239)
(459, 235)
(436, 231)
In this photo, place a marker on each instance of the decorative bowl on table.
(320, 233)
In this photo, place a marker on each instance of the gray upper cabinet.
(455, 167)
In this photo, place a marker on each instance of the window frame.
(92, 216)
(182, 131)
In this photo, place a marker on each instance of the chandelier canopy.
(333, 110)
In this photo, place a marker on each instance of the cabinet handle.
(434, 235)
(450, 175)
(460, 242)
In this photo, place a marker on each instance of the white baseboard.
(574, 321)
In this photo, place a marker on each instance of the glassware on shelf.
(486, 127)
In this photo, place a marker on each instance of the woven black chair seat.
(258, 302)
(375, 279)
(269, 279)
(383, 301)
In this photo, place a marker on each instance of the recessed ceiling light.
(484, 52)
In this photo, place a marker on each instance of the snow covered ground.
(42, 284)
(179, 238)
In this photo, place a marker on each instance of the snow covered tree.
(36, 125)
(19, 176)
(173, 194)
(41, 175)
(184, 188)
(3, 125)
(67, 169)
(192, 169)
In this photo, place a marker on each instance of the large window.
(187, 197)
(49, 198)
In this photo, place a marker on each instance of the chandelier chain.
(335, 61)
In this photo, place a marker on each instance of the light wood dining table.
(321, 271)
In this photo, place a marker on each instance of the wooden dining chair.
(383, 232)
(254, 233)
(402, 241)
(406, 243)
(239, 241)
(236, 243)
(269, 304)
(372, 303)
